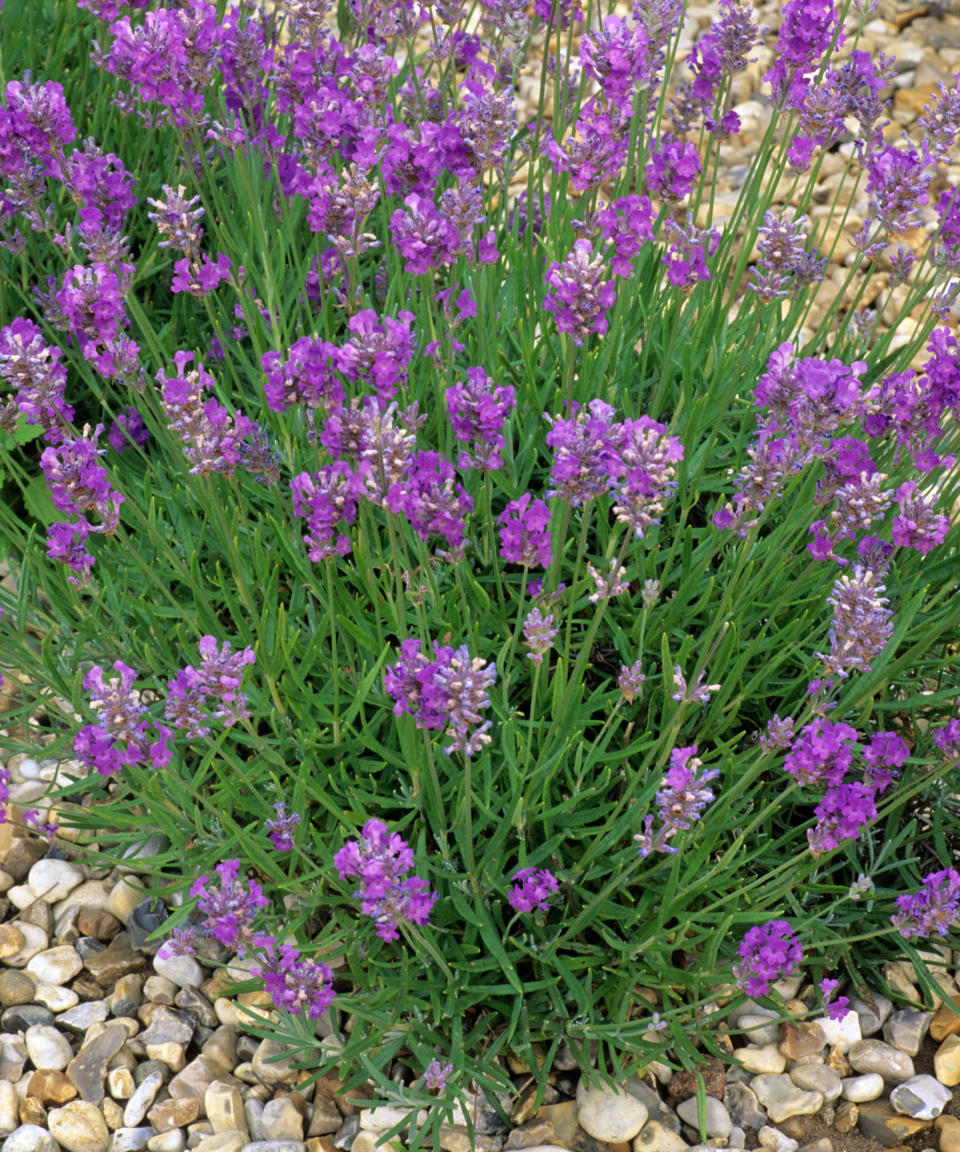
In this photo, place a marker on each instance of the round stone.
(184, 971)
(876, 1056)
(654, 1137)
(946, 1061)
(47, 1048)
(34, 941)
(19, 1017)
(783, 1099)
(79, 1127)
(55, 965)
(872, 1013)
(53, 880)
(906, 1028)
(609, 1115)
(921, 1097)
(817, 1078)
(843, 1033)
(716, 1118)
(768, 1058)
(16, 987)
(11, 940)
(29, 1138)
(859, 1089)
(55, 998)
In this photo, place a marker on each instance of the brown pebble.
(16, 987)
(50, 1087)
(846, 1117)
(949, 1129)
(838, 1062)
(530, 1134)
(97, 922)
(11, 940)
(22, 856)
(116, 960)
(32, 1111)
(801, 1038)
(947, 1020)
(174, 1113)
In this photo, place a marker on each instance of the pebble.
(79, 1127)
(224, 1107)
(171, 1141)
(872, 1014)
(16, 987)
(869, 1086)
(906, 1029)
(946, 1020)
(184, 971)
(55, 998)
(769, 1058)
(47, 1048)
(757, 1026)
(130, 1139)
(50, 1087)
(9, 1108)
(744, 1108)
(878, 1121)
(949, 1129)
(654, 1137)
(88, 1068)
(783, 1099)
(19, 1017)
(876, 1056)
(34, 940)
(29, 1138)
(716, 1121)
(53, 880)
(922, 1097)
(274, 1146)
(81, 1016)
(55, 965)
(817, 1078)
(607, 1115)
(946, 1061)
(141, 1099)
(843, 1033)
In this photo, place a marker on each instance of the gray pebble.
(921, 1097)
(30, 1138)
(906, 1029)
(130, 1139)
(716, 1117)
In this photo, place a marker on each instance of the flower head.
(933, 909)
(532, 889)
(768, 952)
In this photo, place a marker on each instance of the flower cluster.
(823, 754)
(122, 734)
(193, 691)
(768, 952)
(282, 826)
(682, 798)
(294, 985)
(449, 691)
(34, 370)
(477, 411)
(532, 889)
(525, 532)
(229, 909)
(862, 622)
(931, 910)
(379, 860)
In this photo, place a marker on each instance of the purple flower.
(66, 543)
(618, 56)
(696, 693)
(842, 812)
(79, 484)
(784, 266)
(282, 827)
(102, 187)
(432, 501)
(896, 187)
(648, 479)
(212, 439)
(435, 1075)
(231, 908)
(425, 237)
(450, 691)
(673, 168)
(326, 499)
(862, 622)
(127, 429)
(681, 799)
(836, 1010)
(532, 889)
(35, 123)
(586, 456)
(307, 376)
(807, 31)
(32, 367)
(627, 224)
(769, 952)
(539, 634)
(917, 526)
(687, 253)
(932, 909)
(294, 985)
(609, 585)
(379, 353)
(578, 296)
(379, 444)
(177, 220)
(191, 693)
(379, 860)
(477, 411)
(525, 532)
(821, 753)
(778, 734)
(630, 680)
(598, 151)
(91, 302)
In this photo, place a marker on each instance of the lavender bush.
(452, 557)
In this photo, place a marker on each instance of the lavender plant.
(472, 494)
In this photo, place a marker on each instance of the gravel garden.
(480, 584)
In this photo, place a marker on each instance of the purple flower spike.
(769, 952)
(379, 859)
(525, 532)
(532, 890)
(435, 1075)
(578, 296)
(281, 828)
(933, 909)
(229, 909)
(295, 985)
